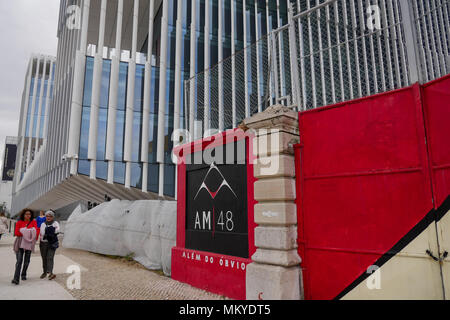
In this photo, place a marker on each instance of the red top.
(22, 224)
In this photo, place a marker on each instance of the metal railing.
(334, 51)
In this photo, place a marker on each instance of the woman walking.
(3, 224)
(48, 244)
(26, 233)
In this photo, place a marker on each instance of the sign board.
(9, 162)
(216, 206)
(215, 226)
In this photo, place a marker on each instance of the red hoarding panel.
(365, 185)
(436, 104)
(215, 273)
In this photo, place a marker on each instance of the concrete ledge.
(276, 213)
(276, 257)
(278, 189)
(274, 142)
(275, 166)
(281, 238)
(276, 116)
(267, 282)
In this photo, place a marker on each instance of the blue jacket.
(40, 220)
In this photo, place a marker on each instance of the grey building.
(118, 94)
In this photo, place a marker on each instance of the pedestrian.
(26, 233)
(40, 219)
(3, 224)
(48, 244)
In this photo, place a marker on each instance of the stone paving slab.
(102, 278)
(34, 288)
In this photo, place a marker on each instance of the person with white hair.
(48, 244)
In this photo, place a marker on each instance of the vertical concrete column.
(207, 59)
(280, 50)
(269, 29)
(33, 106)
(147, 98)
(41, 96)
(258, 58)
(127, 152)
(77, 95)
(178, 84)
(113, 95)
(245, 21)
(162, 94)
(192, 71)
(48, 99)
(220, 58)
(275, 271)
(96, 91)
(233, 62)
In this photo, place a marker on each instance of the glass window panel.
(101, 138)
(122, 89)
(153, 178)
(137, 134)
(102, 169)
(119, 172)
(87, 95)
(119, 137)
(104, 90)
(84, 167)
(136, 175)
(169, 180)
(84, 134)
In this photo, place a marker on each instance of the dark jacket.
(51, 236)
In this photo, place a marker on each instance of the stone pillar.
(275, 272)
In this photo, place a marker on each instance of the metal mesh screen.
(330, 51)
(432, 28)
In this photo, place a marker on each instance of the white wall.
(6, 193)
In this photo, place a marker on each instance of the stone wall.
(275, 272)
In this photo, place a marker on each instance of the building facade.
(115, 106)
(7, 173)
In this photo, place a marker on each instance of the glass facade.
(35, 121)
(119, 165)
(256, 19)
(35, 116)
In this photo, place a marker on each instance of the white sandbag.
(144, 229)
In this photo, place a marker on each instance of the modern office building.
(7, 173)
(36, 100)
(9, 159)
(118, 94)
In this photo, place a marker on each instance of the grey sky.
(26, 27)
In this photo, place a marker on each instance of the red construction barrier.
(436, 104)
(364, 183)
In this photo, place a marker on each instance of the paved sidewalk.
(102, 278)
(34, 288)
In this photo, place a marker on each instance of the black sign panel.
(216, 203)
(9, 162)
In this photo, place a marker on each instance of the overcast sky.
(26, 27)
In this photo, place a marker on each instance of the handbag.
(17, 242)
